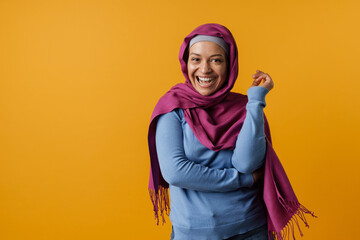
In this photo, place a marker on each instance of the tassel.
(160, 201)
(299, 213)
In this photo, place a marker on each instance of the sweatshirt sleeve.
(250, 148)
(179, 171)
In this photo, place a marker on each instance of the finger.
(256, 82)
(259, 78)
(265, 76)
(265, 79)
(258, 72)
(268, 79)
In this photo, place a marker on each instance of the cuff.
(246, 180)
(257, 93)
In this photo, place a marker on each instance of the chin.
(206, 93)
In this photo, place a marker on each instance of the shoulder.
(176, 115)
(169, 124)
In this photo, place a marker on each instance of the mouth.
(205, 81)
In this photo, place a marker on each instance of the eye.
(194, 59)
(217, 60)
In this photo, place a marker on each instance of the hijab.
(216, 120)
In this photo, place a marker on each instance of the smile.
(205, 80)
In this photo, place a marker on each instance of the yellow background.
(79, 80)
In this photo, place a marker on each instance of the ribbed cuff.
(257, 94)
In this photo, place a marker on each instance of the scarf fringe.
(160, 201)
(288, 229)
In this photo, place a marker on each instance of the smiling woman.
(207, 67)
(211, 147)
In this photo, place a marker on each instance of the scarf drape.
(216, 120)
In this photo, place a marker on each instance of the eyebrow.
(214, 55)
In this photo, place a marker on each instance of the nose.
(205, 67)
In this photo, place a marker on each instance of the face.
(207, 67)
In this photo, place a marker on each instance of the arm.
(177, 170)
(250, 148)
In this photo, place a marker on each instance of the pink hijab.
(216, 120)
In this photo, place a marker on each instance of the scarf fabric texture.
(216, 121)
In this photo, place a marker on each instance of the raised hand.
(259, 76)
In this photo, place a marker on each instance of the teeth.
(205, 80)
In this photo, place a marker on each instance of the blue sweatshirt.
(212, 193)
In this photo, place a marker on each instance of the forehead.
(206, 48)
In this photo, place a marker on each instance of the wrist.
(257, 93)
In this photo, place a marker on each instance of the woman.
(209, 146)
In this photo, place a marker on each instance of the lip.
(204, 84)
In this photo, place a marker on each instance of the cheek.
(225, 69)
(223, 73)
(190, 70)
